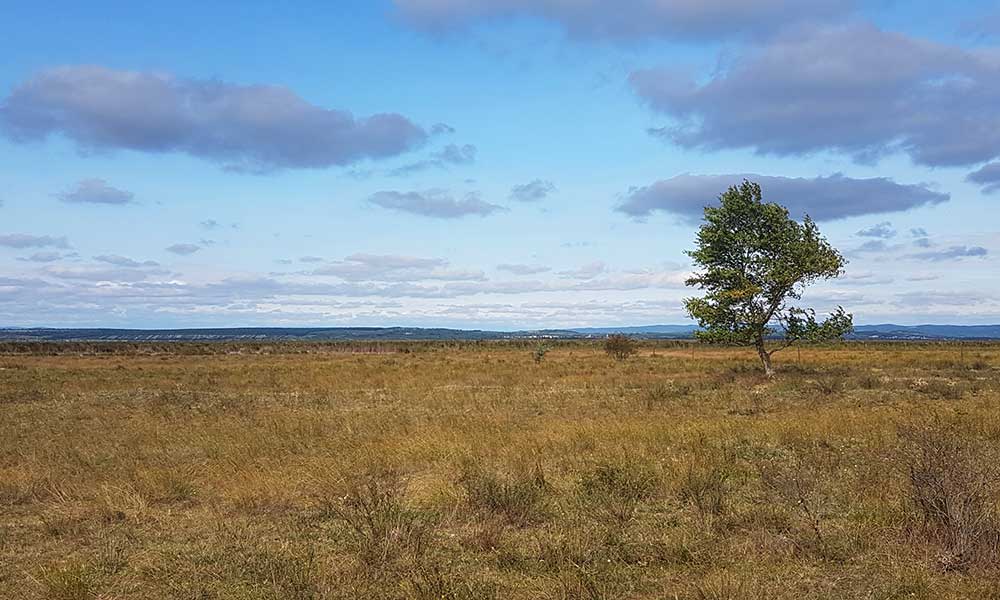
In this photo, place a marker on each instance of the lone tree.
(754, 260)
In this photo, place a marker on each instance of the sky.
(498, 164)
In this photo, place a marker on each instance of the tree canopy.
(754, 261)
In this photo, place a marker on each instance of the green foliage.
(540, 351)
(754, 260)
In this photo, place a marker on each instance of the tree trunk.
(765, 358)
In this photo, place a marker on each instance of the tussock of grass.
(519, 498)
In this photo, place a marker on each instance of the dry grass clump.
(955, 488)
(381, 526)
(660, 394)
(709, 476)
(941, 389)
(432, 583)
(519, 498)
(796, 485)
(612, 491)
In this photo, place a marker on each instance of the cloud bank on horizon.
(487, 163)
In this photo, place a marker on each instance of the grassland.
(471, 471)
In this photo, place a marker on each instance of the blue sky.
(484, 163)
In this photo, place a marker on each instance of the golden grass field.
(471, 471)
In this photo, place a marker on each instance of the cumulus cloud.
(952, 253)
(43, 257)
(395, 261)
(442, 129)
(24, 240)
(96, 191)
(102, 273)
(854, 89)
(588, 271)
(252, 128)
(395, 268)
(927, 298)
(124, 261)
(628, 19)
(518, 269)
(866, 278)
(533, 191)
(873, 246)
(823, 198)
(454, 154)
(988, 176)
(984, 26)
(451, 154)
(436, 204)
(183, 249)
(920, 237)
(881, 230)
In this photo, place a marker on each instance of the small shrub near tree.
(540, 351)
(620, 346)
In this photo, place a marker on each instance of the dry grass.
(471, 471)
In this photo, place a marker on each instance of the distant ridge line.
(52, 334)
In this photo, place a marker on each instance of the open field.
(470, 471)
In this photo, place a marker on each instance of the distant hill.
(956, 332)
(267, 334)
(679, 331)
(862, 332)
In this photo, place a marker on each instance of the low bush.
(953, 488)
(619, 346)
